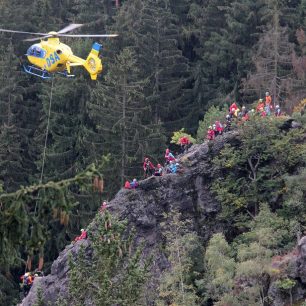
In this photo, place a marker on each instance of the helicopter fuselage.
(52, 55)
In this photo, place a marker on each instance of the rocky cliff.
(144, 208)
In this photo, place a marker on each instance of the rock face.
(293, 265)
(144, 208)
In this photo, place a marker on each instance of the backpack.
(127, 185)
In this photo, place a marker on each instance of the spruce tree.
(14, 166)
(117, 109)
(273, 57)
(167, 69)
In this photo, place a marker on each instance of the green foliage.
(220, 266)
(39, 301)
(179, 134)
(119, 115)
(285, 284)
(175, 286)
(26, 213)
(254, 171)
(238, 273)
(97, 277)
(185, 56)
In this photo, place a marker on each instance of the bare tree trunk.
(276, 47)
(123, 137)
(156, 115)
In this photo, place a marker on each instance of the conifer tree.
(117, 109)
(273, 58)
(220, 267)
(98, 280)
(168, 93)
(14, 166)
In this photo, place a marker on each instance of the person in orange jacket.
(27, 281)
(268, 100)
(260, 106)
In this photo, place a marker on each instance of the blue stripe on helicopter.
(52, 59)
(96, 46)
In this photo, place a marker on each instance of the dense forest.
(173, 61)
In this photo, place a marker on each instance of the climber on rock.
(169, 156)
(210, 133)
(277, 112)
(173, 167)
(158, 170)
(26, 283)
(103, 207)
(219, 128)
(184, 143)
(268, 100)
(82, 236)
(134, 184)
(228, 123)
(260, 106)
(148, 167)
(233, 108)
(245, 117)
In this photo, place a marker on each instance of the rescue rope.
(47, 132)
(46, 139)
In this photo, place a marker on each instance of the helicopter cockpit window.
(36, 51)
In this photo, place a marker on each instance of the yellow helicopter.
(52, 56)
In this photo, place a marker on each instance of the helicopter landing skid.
(66, 74)
(37, 72)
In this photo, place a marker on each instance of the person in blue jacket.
(173, 166)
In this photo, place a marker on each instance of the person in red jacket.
(233, 107)
(246, 117)
(148, 167)
(219, 127)
(210, 133)
(169, 156)
(82, 236)
(184, 143)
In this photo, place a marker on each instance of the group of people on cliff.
(263, 109)
(170, 166)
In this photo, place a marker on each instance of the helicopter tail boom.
(93, 63)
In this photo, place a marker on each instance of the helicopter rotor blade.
(70, 27)
(22, 32)
(37, 38)
(88, 35)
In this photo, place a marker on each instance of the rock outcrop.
(292, 266)
(144, 208)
